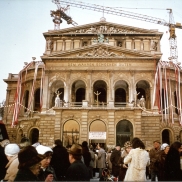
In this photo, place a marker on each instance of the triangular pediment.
(99, 51)
(101, 27)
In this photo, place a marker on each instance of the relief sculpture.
(100, 52)
(104, 29)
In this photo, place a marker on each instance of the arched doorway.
(78, 91)
(100, 92)
(121, 93)
(124, 132)
(34, 135)
(37, 100)
(26, 100)
(97, 133)
(71, 133)
(143, 89)
(166, 136)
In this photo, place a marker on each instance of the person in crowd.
(86, 154)
(138, 158)
(124, 167)
(77, 171)
(3, 158)
(101, 160)
(11, 151)
(172, 168)
(108, 161)
(95, 169)
(60, 160)
(91, 165)
(116, 154)
(154, 163)
(162, 156)
(46, 168)
(29, 165)
(24, 142)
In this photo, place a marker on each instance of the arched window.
(124, 132)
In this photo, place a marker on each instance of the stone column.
(110, 98)
(67, 88)
(58, 124)
(84, 126)
(45, 93)
(111, 136)
(88, 89)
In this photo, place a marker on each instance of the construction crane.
(109, 10)
(60, 13)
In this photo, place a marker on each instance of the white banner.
(97, 135)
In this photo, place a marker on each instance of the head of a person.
(84, 144)
(75, 153)
(11, 150)
(127, 146)
(118, 147)
(47, 152)
(30, 159)
(156, 144)
(176, 146)
(165, 147)
(137, 143)
(58, 142)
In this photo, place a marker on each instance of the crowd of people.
(81, 162)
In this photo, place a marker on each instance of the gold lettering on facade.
(98, 64)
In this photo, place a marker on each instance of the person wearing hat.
(162, 156)
(3, 158)
(114, 160)
(124, 167)
(77, 171)
(29, 165)
(154, 155)
(11, 152)
(46, 168)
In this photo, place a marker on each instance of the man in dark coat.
(154, 163)
(60, 160)
(77, 170)
(115, 156)
(3, 158)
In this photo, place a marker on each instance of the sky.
(23, 22)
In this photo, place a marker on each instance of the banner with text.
(97, 135)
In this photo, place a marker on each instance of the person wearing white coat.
(138, 159)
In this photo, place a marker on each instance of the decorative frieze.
(104, 29)
(100, 52)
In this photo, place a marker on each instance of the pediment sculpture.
(100, 52)
(104, 29)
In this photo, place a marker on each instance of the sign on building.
(97, 135)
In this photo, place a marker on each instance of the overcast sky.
(22, 23)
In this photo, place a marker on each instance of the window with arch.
(71, 133)
(124, 132)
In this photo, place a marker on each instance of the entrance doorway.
(34, 135)
(124, 132)
(166, 136)
(99, 128)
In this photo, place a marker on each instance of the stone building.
(95, 78)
